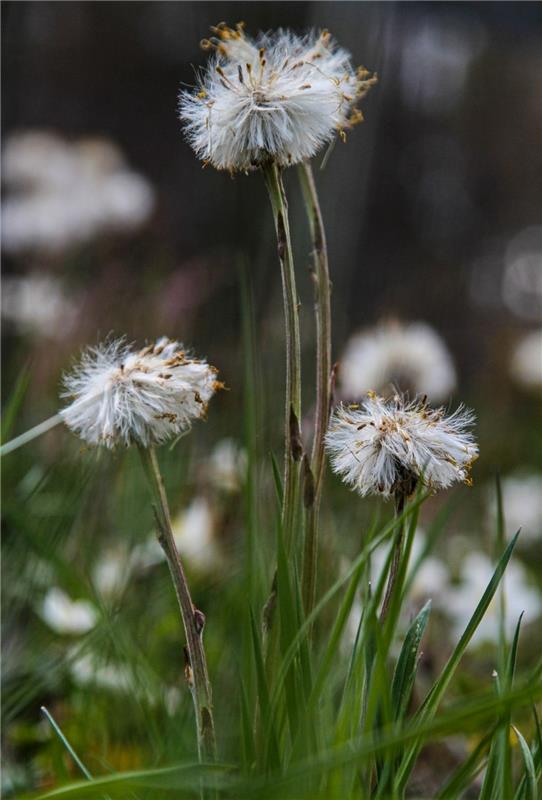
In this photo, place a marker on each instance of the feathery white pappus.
(122, 396)
(386, 446)
(278, 97)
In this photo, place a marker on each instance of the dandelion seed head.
(122, 396)
(386, 446)
(278, 97)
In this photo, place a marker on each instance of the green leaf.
(530, 773)
(462, 778)
(405, 670)
(431, 703)
(13, 405)
(272, 749)
(277, 479)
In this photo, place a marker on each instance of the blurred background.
(111, 226)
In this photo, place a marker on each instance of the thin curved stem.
(322, 309)
(31, 434)
(193, 620)
(292, 446)
(396, 559)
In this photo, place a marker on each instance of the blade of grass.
(405, 670)
(432, 701)
(13, 405)
(65, 742)
(530, 773)
(462, 778)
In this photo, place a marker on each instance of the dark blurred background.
(427, 205)
(110, 225)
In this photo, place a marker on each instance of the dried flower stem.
(400, 498)
(322, 307)
(293, 447)
(193, 619)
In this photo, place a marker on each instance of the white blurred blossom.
(460, 600)
(61, 193)
(38, 304)
(226, 466)
(427, 583)
(522, 277)
(522, 505)
(411, 356)
(526, 361)
(278, 97)
(112, 570)
(196, 538)
(435, 62)
(430, 577)
(67, 616)
(88, 670)
(121, 396)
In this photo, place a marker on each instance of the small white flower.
(412, 357)
(227, 465)
(522, 505)
(62, 193)
(112, 570)
(88, 669)
(526, 365)
(459, 601)
(64, 615)
(38, 303)
(120, 396)
(195, 534)
(279, 97)
(384, 447)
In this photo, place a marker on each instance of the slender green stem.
(292, 445)
(193, 620)
(396, 560)
(322, 308)
(31, 434)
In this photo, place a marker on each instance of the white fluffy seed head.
(409, 356)
(280, 97)
(121, 396)
(386, 446)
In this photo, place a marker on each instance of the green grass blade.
(530, 772)
(13, 405)
(405, 670)
(277, 478)
(272, 757)
(462, 778)
(432, 701)
(65, 742)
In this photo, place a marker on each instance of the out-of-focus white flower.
(87, 670)
(411, 357)
(112, 570)
(37, 303)
(120, 396)
(64, 615)
(430, 577)
(194, 532)
(227, 465)
(384, 447)
(279, 97)
(522, 277)
(522, 505)
(526, 363)
(459, 601)
(63, 193)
